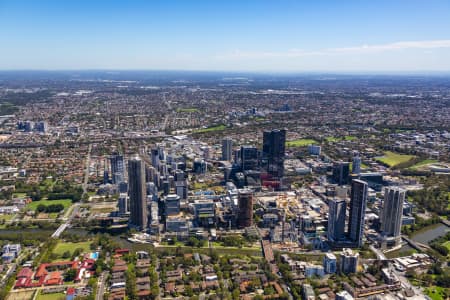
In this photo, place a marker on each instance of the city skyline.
(257, 36)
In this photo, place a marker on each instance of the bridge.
(445, 222)
(416, 245)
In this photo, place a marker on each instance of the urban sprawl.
(177, 185)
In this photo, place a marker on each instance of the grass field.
(187, 110)
(392, 159)
(337, 139)
(447, 245)
(332, 139)
(423, 163)
(363, 166)
(435, 292)
(62, 247)
(66, 202)
(211, 129)
(300, 143)
(19, 195)
(244, 248)
(7, 217)
(53, 296)
(22, 295)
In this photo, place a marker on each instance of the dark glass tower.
(274, 147)
(358, 201)
(336, 219)
(245, 215)
(137, 192)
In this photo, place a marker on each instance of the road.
(407, 285)
(86, 170)
(101, 285)
(378, 252)
(57, 233)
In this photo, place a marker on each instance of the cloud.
(396, 46)
(293, 53)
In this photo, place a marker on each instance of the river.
(424, 236)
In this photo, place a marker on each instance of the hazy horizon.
(232, 36)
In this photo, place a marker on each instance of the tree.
(235, 294)
(66, 254)
(70, 275)
(130, 285)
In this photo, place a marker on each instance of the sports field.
(211, 129)
(393, 159)
(62, 247)
(300, 143)
(66, 202)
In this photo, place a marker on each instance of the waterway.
(424, 236)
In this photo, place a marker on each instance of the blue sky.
(245, 35)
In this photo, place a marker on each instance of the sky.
(232, 35)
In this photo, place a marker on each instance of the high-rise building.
(330, 263)
(245, 202)
(227, 149)
(358, 201)
(137, 193)
(123, 203)
(356, 164)
(117, 168)
(274, 148)
(248, 158)
(154, 154)
(391, 215)
(172, 205)
(336, 219)
(348, 261)
(41, 126)
(341, 172)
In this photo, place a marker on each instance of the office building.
(314, 270)
(314, 149)
(117, 168)
(181, 189)
(348, 261)
(274, 146)
(177, 224)
(308, 292)
(245, 202)
(137, 193)
(248, 158)
(123, 203)
(204, 212)
(199, 166)
(336, 219)
(330, 263)
(356, 164)
(227, 149)
(391, 215)
(172, 205)
(41, 126)
(358, 201)
(341, 172)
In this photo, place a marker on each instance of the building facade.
(391, 215)
(358, 201)
(137, 193)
